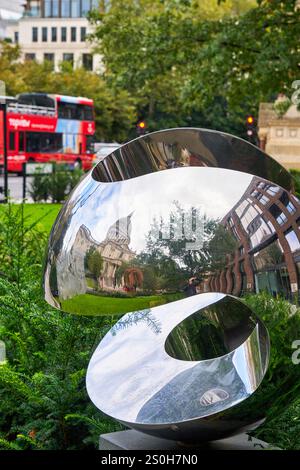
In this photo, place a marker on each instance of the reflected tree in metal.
(169, 229)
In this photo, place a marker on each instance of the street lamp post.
(3, 105)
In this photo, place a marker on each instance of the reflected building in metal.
(167, 216)
(265, 222)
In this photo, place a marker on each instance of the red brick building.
(265, 224)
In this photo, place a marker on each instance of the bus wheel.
(78, 164)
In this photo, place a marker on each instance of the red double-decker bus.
(43, 128)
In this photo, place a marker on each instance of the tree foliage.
(94, 262)
(187, 65)
(114, 108)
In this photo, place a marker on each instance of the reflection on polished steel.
(165, 217)
(183, 371)
(130, 244)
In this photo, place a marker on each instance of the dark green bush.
(281, 385)
(39, 190)
(43, 400)
(296, 177)
(55, 186)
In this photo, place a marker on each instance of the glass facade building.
(60, 8)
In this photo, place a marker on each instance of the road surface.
(15, 186)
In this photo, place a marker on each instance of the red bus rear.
(43, 128)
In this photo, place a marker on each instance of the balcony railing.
(18, 108)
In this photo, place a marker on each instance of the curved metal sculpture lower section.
(183, 371)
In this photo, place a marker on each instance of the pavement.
(15, 186)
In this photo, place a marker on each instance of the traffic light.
(251, 130)
(141, 128)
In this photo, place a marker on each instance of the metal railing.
(18, 108)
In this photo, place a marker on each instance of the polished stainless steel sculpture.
(168, 227)
(178, 371)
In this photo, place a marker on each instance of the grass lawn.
(45, 214)
(88, 304)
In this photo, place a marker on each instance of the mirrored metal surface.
(173, 148)
(134, 244)
(180, 369)
(163, 218)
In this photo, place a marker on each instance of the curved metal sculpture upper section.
(173, 148)
(185, 371)
(210, 222)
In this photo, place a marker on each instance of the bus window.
(12, 140)
(36, 99)
(44, 142)
(88, 113)
(78, 112)
(21, 141)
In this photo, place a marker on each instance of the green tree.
(94, 262)
(188, 65)
(174, 262)
(114, 108)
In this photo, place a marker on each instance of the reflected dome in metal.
(169, 229)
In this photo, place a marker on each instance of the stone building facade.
(280, 137)
(114, 250)
(56, 31)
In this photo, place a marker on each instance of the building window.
(292, 240)
(34, 34)
(73, 34)
(291, 208)
(85, 7)
(75, 10)
(12, 140)
(55, 8)
(284, 199)
(29, 56)
(16, 37)
(49, 57)
(272, 190)
(87, 61)
(33, 9)
(63, 34)
(47, 8)
(65, 8)
(44, 34)
(278, 214)
(82, 34)
(263, 199)
(67, 57)
(54, 34)
(51, 8)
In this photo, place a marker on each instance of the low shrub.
(55, 186)
(281, 385)
(43, 400)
